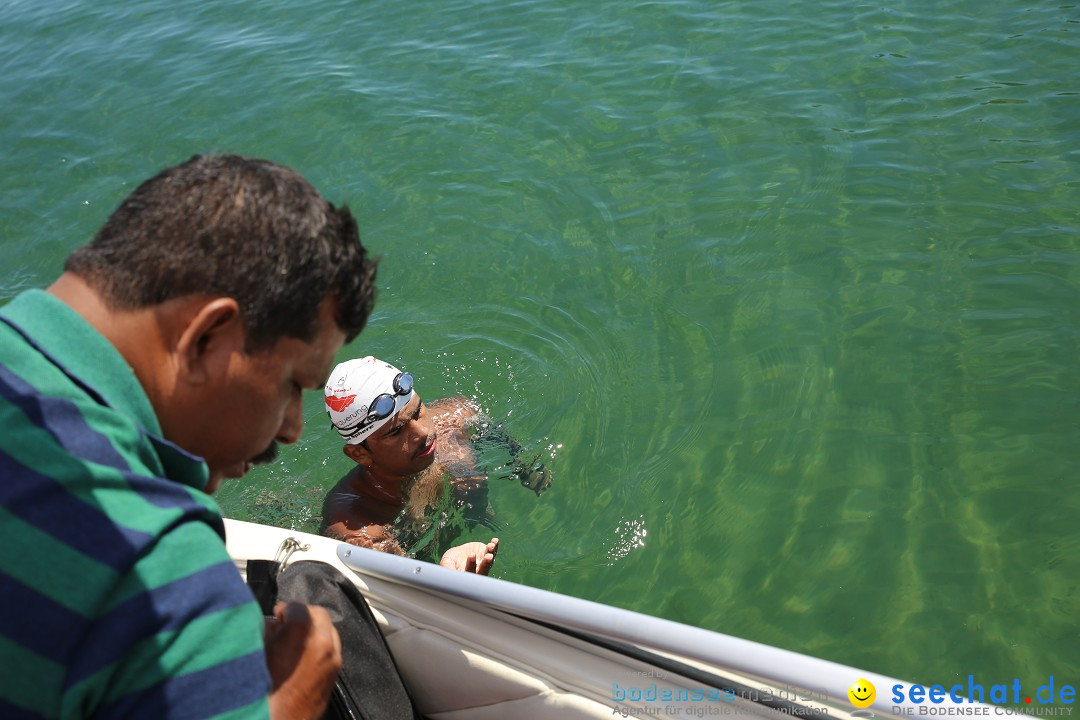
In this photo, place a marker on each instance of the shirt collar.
(95, 365)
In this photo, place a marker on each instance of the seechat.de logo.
(862, 693)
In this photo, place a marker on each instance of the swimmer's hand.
(534, 476)
(473, 557)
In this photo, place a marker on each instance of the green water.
(786, 294)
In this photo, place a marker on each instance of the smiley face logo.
(862, 693)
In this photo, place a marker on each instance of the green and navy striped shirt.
(117, 597)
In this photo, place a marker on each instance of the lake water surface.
(786, 294)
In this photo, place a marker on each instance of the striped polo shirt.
(117, 597)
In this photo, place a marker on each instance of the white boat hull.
(476, 647)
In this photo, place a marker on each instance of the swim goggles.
(381, 407)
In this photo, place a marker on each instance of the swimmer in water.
(402, 448)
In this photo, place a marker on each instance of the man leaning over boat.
(171, 353)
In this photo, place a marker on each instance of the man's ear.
(358, 454)
(212, 333)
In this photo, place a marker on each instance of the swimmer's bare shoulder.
(341, 505)
(356, 520)
(453, 413)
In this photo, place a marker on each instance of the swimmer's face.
(405, 445)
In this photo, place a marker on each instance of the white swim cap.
(363, 395)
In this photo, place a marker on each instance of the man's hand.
(473, 557)
(303, 653)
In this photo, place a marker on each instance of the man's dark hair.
(242, 227)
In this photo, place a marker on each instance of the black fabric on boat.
(262, 579)
(369, 686)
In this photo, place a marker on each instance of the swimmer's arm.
(374, 537)
(468, 483)
(473, 557)
(495, 434)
